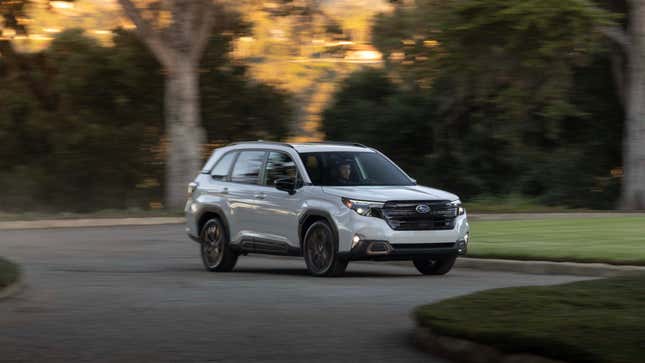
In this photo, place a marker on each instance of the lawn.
(616, 240)
(8, 273)
(589, 321)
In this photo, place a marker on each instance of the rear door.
(244, 194)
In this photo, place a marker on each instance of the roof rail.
(262, 142)
(338, 143)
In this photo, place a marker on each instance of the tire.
(216, 253)
(437, 266)
(320, 249)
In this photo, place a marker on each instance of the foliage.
(9, 273)
(588, 321)
(491, 107)
(516, 55)
(102, 146)
(366, 107)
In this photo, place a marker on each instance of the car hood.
(385, 193)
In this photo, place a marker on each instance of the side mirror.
(286, 184)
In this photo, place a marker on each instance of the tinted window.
(279, 166)
(247, 167)
(223, 166)
(352, 168)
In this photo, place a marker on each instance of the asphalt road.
(139, 294)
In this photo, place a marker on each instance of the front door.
(279, 208)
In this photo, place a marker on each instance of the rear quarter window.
(223, 166)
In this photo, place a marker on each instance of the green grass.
(589, 321)
(9, 273)
(615, 240)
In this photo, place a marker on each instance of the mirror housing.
(286, 184)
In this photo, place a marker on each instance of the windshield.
(352, 169)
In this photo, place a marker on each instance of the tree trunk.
(634, 139)
(183, 130)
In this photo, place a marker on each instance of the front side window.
(348, 168)
(223, 166)
(247, 167)
(279, 166)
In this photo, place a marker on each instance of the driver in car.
(344, 173)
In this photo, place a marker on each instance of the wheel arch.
(310, 217)
(209, 213)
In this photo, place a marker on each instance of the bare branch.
(203, 31)
(151, 38)
(617, 35)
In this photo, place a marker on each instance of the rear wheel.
(320, 250)
(436, 266)
(215, 251)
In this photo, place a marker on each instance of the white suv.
(329, 202)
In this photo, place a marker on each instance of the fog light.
(355, 240)
(462, 246)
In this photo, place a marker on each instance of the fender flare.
(212, 209)
(318, 213)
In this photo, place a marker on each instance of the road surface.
(139, 294)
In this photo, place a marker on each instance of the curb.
(466, 351)
(549, 268)
(549, 215)
(12, 290)
(94, 222)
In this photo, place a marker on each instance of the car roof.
(305, 147)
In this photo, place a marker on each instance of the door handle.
(260, 196)
(224, 191)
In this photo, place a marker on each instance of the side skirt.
(266, 247)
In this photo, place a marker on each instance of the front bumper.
(386, 251)
(404, 243)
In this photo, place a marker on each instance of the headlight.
(457, 204)
(364, 208)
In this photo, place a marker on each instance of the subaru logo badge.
(422, 208)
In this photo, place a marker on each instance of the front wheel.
(321, 251)
(215, 251)
(436, 266)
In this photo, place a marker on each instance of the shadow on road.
(303, 272)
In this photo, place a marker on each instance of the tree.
(105, 135)
(519, 57)
(177, 31)
(630, 79)
(13, 20)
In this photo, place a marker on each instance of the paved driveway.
(139, 294)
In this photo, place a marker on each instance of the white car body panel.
(265, 213)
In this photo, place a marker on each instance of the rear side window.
(279, 166)
(247, 167)
(223, 166)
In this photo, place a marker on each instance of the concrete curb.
(94, 222)
(542, 267)
(549, 268)
(12, 290)
(555, 215)
(466, 351)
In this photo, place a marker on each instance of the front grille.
(403, 215)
